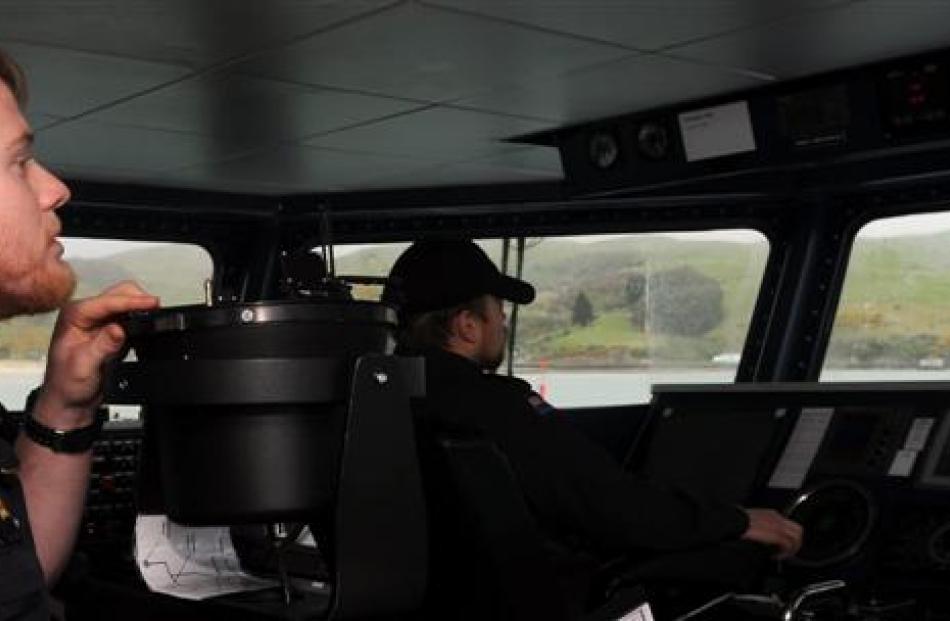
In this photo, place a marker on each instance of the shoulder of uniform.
(510, 383)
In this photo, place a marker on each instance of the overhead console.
(842, 116)
(865, 468)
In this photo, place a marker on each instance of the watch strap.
(64, 441)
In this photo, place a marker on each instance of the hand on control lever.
(773, 529)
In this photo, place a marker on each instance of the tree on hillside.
(634, 287)
(583, 312)
(681, 301)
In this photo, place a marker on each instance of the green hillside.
(176, 273)
(561, 269)
(895, 309)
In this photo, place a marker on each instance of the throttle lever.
(790, 613)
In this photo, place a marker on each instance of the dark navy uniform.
(573, 486)
(23, 594)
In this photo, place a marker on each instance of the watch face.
(603, 149)
(653, 141)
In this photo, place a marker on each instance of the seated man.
(450, 298)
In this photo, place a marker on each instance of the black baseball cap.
(437, 274)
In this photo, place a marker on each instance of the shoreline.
(534, 370)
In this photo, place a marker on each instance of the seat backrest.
(379, 551)
(488, 558)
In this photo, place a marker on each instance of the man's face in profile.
(494, 334)
(33, 275)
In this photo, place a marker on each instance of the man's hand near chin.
(771, 528)
(86, 338)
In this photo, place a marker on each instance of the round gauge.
(938, 545)
(603, 149)
(653, 141)
(837, 517)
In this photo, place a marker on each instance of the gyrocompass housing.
(248, 401)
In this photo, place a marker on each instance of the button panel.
(109, 517)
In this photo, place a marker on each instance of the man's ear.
(466, 326)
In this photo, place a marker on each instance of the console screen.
(716, 453)
(863, 441)
(936, 468)
(851, 434)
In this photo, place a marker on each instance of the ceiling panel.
(250, 112)
(111, 174)
(187, 32)
(441, 133)
(634, 83)
(205, 179)
(638, 24)
(527, 160)
(858, 33)
(300, 169)
(64, 83)
(456, 174)
(39, 119)
(428, 54)
(97, 145)
(387, 93)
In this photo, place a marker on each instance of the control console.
(865, 468)
(108, 523)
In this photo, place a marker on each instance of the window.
(378, 259)
(893, 319)
(175, 272)
(366, 260)
(617, 313)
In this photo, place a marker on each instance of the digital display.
(942, 468)
(916, 98)
(851, 435)
(936, 469)
(861, 440)
(124, 412)
(818, 117)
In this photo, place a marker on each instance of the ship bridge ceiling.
(293, 96)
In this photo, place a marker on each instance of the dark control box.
(862, 441)
(916, 98)
(109, 518)
(857, 114)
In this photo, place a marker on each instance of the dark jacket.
(22, 586)
(573, 486)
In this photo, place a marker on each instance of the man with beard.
(43, 478)
(449, 296)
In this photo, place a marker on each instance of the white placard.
(801, 449)
(918, 434)
(717, 131)
(903, 463)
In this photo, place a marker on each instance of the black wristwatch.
(60, 441)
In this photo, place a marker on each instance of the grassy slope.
(176, 273)
(562, 268)
(898, 287)
(895, 286)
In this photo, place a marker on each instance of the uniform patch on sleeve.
(10, 532)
